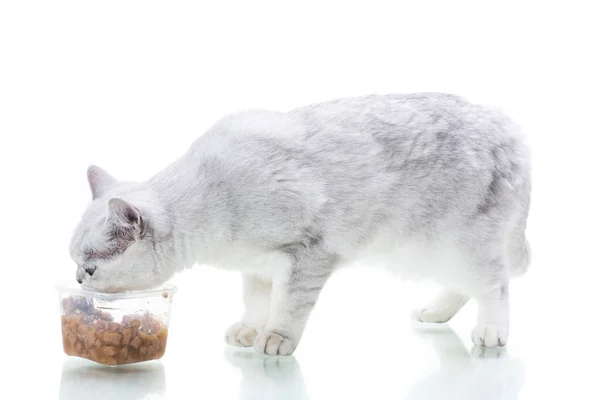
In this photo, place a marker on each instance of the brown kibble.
(110, 350)
(165, 295)
(134, 324)
(90, 333)
(135, 343)
(112, 338)
(110, 361)
(90, 336)
(126, 336)
(122, 355)
(133, 357)
(94, 354)
(101, 325)
(162, 341)
(71, 338)
(81, 330)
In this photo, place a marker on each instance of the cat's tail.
(521, 260)
(520, 252)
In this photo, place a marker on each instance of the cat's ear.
(99, 181)
(125, 218)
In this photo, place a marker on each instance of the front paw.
(273, 344)
(490, 335)
(239, 334)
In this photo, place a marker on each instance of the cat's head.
(115, 243)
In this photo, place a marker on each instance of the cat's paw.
(435, 315)
(239, 334)
(489, 335)
(273, 344)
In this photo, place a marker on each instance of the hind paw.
(431, 315)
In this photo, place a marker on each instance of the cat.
(430, 184)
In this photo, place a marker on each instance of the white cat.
(433, 185)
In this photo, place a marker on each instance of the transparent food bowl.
(115, 328)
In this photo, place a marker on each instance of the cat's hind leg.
(442, 308)
(493, 317)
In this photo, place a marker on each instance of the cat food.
(93, 334)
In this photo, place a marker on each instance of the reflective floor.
(490, 374)
(354, 347)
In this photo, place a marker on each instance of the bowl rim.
(68, 287)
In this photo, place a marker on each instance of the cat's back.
(432, 135)
(435, 135)
(391, 121)
(403, 115)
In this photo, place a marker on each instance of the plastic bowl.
(115, 329)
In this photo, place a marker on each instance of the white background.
(129, 85)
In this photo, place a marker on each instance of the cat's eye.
(90, 270)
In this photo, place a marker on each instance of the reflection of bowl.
(82, 379)
(115, 328)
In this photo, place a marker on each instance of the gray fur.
(288, 197)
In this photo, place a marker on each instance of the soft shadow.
(482, 374)
(83, 379)
(267, 377)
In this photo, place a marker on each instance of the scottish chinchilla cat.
(433, 186)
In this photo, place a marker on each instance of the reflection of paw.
(253, 363)
(240, 335)
(437, 315)
(488, 352)
(273, 344)
(489, 335)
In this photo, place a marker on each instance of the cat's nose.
(79, 275)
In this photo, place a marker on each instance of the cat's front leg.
(256, 294)
(294, 294)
